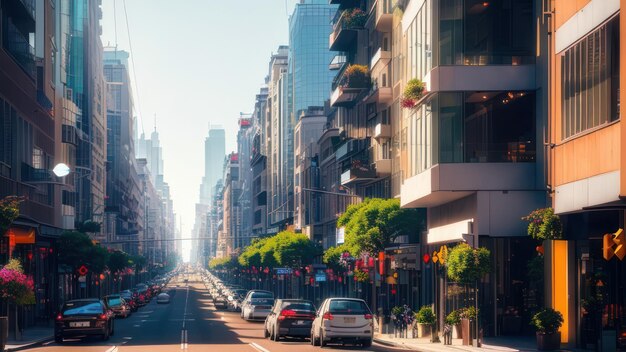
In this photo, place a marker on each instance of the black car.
(118, 305)
(83, 317)
(289, 317)
(127, 295)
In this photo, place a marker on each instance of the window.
(590, 80)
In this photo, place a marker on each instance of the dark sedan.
(290, 317)
(118, 305)
(83, 317)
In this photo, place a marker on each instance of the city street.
(190, 314)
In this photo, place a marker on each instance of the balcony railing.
(344, 4)
(384, 17)
(31, 174)
(30, 7)
(358, 172)
(349, 83)
(345, 27)
(380, 59)
(19, 47)
(382, 131)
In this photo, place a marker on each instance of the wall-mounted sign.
(341, 235)
(614, 244)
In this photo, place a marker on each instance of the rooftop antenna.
(155, 122)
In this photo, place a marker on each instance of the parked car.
(118, 305)
(235, 299)
(220, 301)
(343, 320)
(257, 305)
(163, 298)
(127, 295)
(289, 317)
(83, 317)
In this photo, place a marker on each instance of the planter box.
(548, 342)
(423, 330)
(466, 333)
(457, 331)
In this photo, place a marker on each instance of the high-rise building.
(586, 154)
(124, 203)
(258, 162)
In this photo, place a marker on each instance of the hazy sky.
(197, 62)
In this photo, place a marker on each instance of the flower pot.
(466, 332)
(548, 342)
(457, 332)
(423, 330)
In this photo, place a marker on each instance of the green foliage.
(454, 318)
(14, 264)
(414, 89)
(397, 310)
(534, 268)
(355, 76)
(470, 313)
(425, 316)
(354, 18)
(9, 211)
(374, 224)
(285, 249)
(223, 263)
(547, 321)
(543, 224)
(466, 264)
(138, 262)
(88, 227)
(74, 249)
(98, 258)
(118, 261)
(361, 276)
(332, 255)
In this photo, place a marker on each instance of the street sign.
(82, 278)
(320, 277)
(283, 271)
(83, 270)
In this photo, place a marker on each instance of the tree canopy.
(118, 261)
(223, 263)
(373, 225)
(283, 249)
(466, 264)
(9, 211)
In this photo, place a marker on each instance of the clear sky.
(197, 62)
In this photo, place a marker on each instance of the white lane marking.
(182, 339)
(186, 339)
(112, 349)
(258, 347)
(185, 313)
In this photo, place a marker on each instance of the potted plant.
(454, 320)
(354, 18)
(355, 76)
(543, 224)
(413, 92)
(547, 322)
(425, 318)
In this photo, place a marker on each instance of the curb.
(29, 344)
(394, 344)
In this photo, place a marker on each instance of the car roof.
(83, 300)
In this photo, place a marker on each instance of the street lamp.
(61, 170)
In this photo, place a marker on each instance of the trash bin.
(4, 332)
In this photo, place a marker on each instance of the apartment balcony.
(445, 183)
(348, 85)
(358, 173)
(19, 47)
(345, 29)
(383, 167)
(31, 174)
(384, 15)
(381, 95)
(380, 60)
(382, 131)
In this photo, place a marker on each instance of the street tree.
(9, 211)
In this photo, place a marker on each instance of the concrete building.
(229, 236)
(245, 140)
(279, 143)
(258, 163)
(310, 126)
(29, 148)
(124, 191)
(471, 149)
(586, 141)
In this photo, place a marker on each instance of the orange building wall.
(595, 152)
(622, 84)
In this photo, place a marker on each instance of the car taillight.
(59, 316)
(141, 297)
(328, 316)
(368, 316)
(102, 317)
(286, 313)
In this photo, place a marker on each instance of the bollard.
(4, 332)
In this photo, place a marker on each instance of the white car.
(257, 305)
(343, 320)
(163, 298)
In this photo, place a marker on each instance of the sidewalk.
(30, 337)
(490, 344)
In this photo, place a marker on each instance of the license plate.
(350, 320)
(300, 322)
(79, 324)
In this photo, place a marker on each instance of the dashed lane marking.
(258, 347)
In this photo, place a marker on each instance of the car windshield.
(303, 306)
(114, 301)
(262, 295)
(348, 307)
(82, 308)
(262, 301)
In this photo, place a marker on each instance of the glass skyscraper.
(309, 57)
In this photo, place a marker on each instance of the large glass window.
(478, 32)
(590, 81)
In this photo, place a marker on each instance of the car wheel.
(314, 341)
(112, 328)
(105, 336)
(58, 339)
(266, 334)
(322, 341)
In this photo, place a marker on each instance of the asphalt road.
(189, 323)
